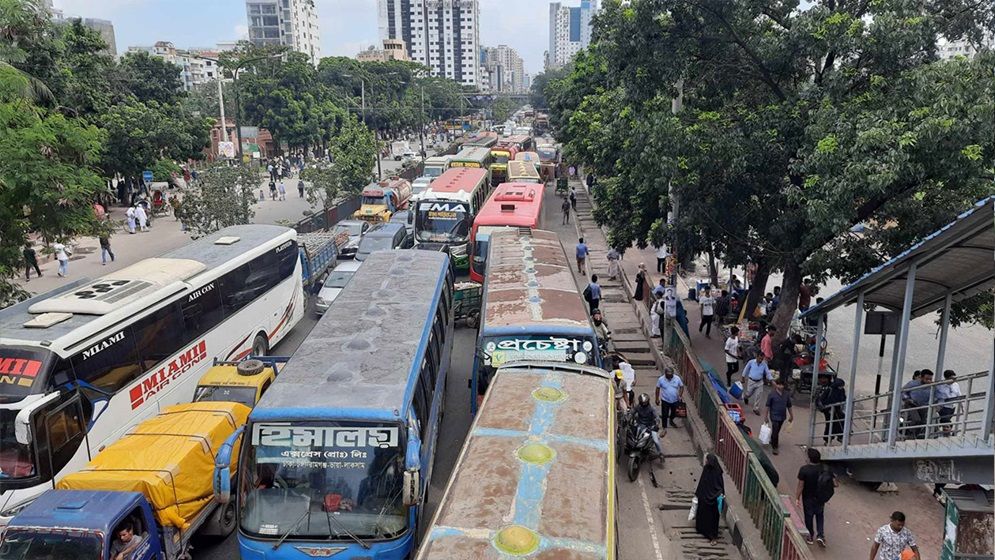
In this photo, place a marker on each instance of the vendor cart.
(466, 302)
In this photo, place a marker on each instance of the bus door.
(56, 427)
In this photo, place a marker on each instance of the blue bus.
(532, 310)
(339, 451)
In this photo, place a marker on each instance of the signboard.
(464, 164)
(286, 435)
(226, 149)
(554, 349)
(147, 176)
(444, 210)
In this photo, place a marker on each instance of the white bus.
(82, 364)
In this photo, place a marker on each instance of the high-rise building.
(444, 35)
(505, 68)
(290, 23)
(569, 31)
(393, 49)
(197, 66)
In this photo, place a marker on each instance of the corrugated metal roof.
(959, 259)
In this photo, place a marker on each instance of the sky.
(346, 26)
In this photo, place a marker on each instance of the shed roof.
(958, 259)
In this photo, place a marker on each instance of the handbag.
(681, 409)
(694, 508)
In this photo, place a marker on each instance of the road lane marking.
(649, 519)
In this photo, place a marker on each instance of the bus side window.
(202, 314)
(64, 426)
(420, 403)
(159, 335)
(112, 368)
(287, 260)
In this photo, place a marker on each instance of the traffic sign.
(147, 176)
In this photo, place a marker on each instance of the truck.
(381, 200)
(398, 147)
(160, 484)
(243, 381)
(319, 253)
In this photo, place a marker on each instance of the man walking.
(778, 410)
(593, 293)
(816, 486)
(732, 355)
(661, 258)
(707, 303)
(300, 188)
(892, 539)
(105, 249)
(30, 261)
(573, 198)
(62, 255)
(565, 207)
(582, 252)
(669, 391)
(756, 374)
(283, 191)
(142, 217)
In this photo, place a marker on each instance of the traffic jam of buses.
(149, 409)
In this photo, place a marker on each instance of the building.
(102, 26)
(947, 49)
(197, 66)
(443, 35)
(393, 49)
(505, 69)
(569, 31)
(290, 23)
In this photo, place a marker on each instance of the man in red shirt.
(804, 295)
(767, 343)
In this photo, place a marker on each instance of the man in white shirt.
(62, 255)
(732, 354)
(661, 258)
(707, 303)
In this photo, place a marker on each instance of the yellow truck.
(242, 382)
(381, 200)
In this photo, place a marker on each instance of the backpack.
(587, 293)
(824, 485)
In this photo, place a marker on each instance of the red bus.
(511, 205)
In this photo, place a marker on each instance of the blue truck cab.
(81, 525)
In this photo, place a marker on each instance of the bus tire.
(260, 345)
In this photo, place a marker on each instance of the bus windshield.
(432, 171)
(501, 158)
(374, 200)
(324, 480)
(442, 221)
(36, 544)
(222, 393)
(16, 459)
(22, 371)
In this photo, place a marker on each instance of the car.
(355, 229)
(384, 237)
(406, 217)
(410, 156)
(336, 280)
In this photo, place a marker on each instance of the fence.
(326, 218)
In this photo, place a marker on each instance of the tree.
(203, 100)
(325, 184)
(82, 73)
(139, 134)
(47, 184)
(352, 152)
(537, 91)
(797, 125)
(223, 196)
(150, 78)
(25, 27)
(502, 108)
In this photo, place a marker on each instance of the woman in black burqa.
(710, 487)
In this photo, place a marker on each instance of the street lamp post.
(421, 122)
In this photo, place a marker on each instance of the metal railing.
(764, 504)
(958, 421)
(733, 451)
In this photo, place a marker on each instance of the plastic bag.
(765, 433)
(694, 508)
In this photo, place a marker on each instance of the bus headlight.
(580, 358)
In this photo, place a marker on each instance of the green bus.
(474, 157)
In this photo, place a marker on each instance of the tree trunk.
(713, 271)
(789, 300)
(757, 287)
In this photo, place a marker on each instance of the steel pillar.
(851, 391)
(815, 377)
(988, 398)
(903, 345)
(944, 327)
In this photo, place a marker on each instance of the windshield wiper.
(296, 524)
(349, 533)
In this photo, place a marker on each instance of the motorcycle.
(640, 448)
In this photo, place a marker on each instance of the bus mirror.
(412, 456)
(222, 467)
(412, 487)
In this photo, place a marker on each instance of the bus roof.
(530, 283)
(539, 456)
(522, 169)
(361, 361)
(512, 204)
(456, 180)
(133, 288)
(472, 154)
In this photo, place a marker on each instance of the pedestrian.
(300, 188)
(592, 293)
(756, 374)
(805, 295)
(722, 305)
(732, 355)
(816, 486)
(948, 395)
(269, 169)
(582, 252)
(105, 249)
(669, 392)
(141, 217)
(710, 492)
(283, 191)
(30, 261)
(777, 411)
(130, 214)
(62, 255)
(892, 539)
(660, 288)
(272, 189)
(565, 207)
(666, 310)
(830, 402)
(573, 198)
(590, 181)
(916, 396)
(707, 303)
(767, 343)
(614, 266)
(661, 258)
(640, 282)
(572, 171)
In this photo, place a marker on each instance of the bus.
(338, 453)
(536, 471)
(523, 172)
(501, 154)
(84, 363)
(532, 309)
(475, 157)
(484, 139)
(516, 205)
(444, 212)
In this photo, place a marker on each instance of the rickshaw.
(467, 300)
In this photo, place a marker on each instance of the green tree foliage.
(540, 83)
(25, 25)
(502, 108)
(150, 78)
(325, 184)
(797, 123)
(352, 150)
(223, 196)
(139, 134)
(203, 100)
